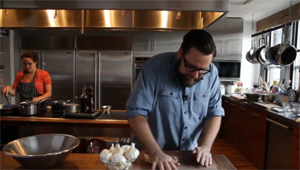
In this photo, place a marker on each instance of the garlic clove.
(105, 154)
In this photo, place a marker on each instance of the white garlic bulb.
(118, 150)
(117, 158)
(105, 154)
(132, 153)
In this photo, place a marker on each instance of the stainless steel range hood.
(112, 14)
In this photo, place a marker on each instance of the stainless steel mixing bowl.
(41, 151)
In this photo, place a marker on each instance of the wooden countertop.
(37, 119)
(92, 161)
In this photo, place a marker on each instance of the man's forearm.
(142, 132)
(210, 131)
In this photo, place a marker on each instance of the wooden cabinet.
(151, 42)
(246, 129)
(295, 160)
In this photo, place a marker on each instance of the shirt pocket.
(201, 101)
(169, 101)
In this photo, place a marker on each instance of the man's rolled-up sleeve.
(215, 103)
(141, 99)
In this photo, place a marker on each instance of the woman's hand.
(36, 99)
(163, 161)
(203, 156)
(6, 90)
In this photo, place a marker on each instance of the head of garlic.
(118, 150)
(105, 154)
(132, 153)
(117, 158)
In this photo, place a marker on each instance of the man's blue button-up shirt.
(176, 124)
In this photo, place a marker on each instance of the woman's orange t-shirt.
(41, 80)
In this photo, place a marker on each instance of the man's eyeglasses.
(27, 64)
(190, 68)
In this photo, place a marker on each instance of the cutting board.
(186, 158)
(239, 97)
(267, 106)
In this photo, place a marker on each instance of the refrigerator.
(109, 72)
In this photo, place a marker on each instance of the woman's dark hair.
(199, 39)
(30, 54)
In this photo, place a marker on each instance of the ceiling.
(260, 9)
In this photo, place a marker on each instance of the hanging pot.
(271, 54)
(250, 53)
(262, 56)
(256, 53)
(286, 54)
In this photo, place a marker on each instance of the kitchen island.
(102, 126)
(92, 161)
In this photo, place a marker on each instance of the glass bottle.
(90, 100)
(83, 100)
(90, 148)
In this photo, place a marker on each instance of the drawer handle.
(242, 108)
(255, 114)
(232, 104)
(279, 124)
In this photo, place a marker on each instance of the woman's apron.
(28, 91)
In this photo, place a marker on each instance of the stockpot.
(29, 108)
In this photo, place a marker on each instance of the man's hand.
(203, 156)
(163, 161)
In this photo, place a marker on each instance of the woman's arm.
(47, 94)
(9, 90)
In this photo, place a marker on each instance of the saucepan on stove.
(29, 108)
(71, 108)
(57, 106)
(6, 111)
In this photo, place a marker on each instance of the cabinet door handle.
(279, 124)
(148, 44)
(232, 104)
(153, 44)
(226, 101)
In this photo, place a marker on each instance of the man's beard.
(183, 78)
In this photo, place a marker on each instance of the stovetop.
(49, 114)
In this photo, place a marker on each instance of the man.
(176, 97)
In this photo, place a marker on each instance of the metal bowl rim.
(41, 155)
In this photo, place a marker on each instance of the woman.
(31, 83)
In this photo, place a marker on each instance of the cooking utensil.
(58, 106)
(41, 151)
(29, 108)
(8, 104)
(106, 109)
(262, 56)
(71, 108)
(7, 111)
(252, 97)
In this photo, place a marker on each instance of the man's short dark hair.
(199, 39)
